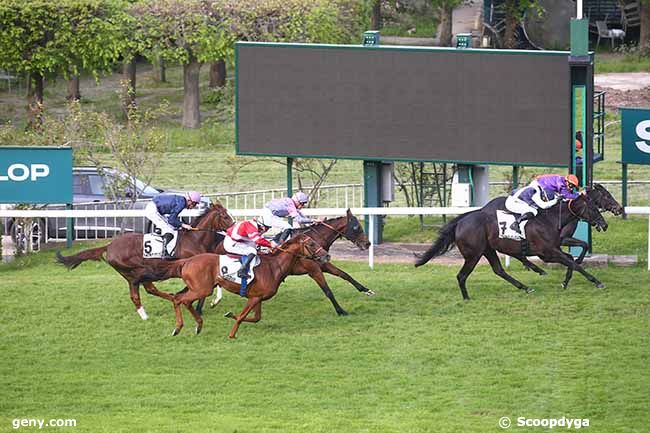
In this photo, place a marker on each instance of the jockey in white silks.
(278, 209)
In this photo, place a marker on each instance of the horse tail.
(446, 239)
(163, 271)
(72, 262)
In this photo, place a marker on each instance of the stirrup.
(241, 274)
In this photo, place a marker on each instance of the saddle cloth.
(504, 220)
(229, 265)
(152, 245)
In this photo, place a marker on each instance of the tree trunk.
(509, 38)
(161, 71)
(35, 101)
(217, 74)
(445, 12)
(191, 113)
(128, 91)
(375, 21)
(644, 15)
(73, 89)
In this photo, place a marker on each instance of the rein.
(302, 256)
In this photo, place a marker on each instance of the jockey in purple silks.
(541, 193)
(277, 209)
(170, 205)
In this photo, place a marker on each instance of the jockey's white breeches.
(152, 214)
(242, 248)
(275, 221)
(515, 205)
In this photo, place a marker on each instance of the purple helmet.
(194, 196)
(300, 197)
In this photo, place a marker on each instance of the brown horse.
(325, 233)
(124, 253)
(202, 273)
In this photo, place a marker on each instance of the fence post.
(371, 250)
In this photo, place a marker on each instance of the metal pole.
(68, 228)
(289, 177)
(624, 189)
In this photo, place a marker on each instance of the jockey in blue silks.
(170, 205)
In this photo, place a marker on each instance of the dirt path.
(630, 89)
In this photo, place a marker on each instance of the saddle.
(230, 264)
(152, 245)
(504, 221)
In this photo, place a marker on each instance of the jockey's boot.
(515, 225)
(285, 235)
(243, 271)
(166, 239)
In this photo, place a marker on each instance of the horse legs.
(250, 304)
(316, 274)
(151, 289)
(492, 257)
(195, 314)
(177, 309)
(331, 269)
(257, 314)
(468, 267)
(530, 265)
(572, 242)
(134, 292)
(559, 256)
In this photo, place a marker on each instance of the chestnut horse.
(124, 253)
(201, 274)
(476, 234)
(325, 233)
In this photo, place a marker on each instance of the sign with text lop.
(635, 135)
(35, 175)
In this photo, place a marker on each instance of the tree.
(43, 39)
(444, 10)
(186, 32)
(644, 36)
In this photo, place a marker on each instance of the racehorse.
(476, 234)
(598, 194)
(325, 233)
(201, 274)
(124, 253)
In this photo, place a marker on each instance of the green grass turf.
(414, 358)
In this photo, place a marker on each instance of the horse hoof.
(214, 303)
(231, 336)
(600, 286)
(143, 314)
(369, 293)
(530, 290)
(342, 313)
(175, 332)
(229, 315)
(543, 273)
(198, 330)
(565, 285)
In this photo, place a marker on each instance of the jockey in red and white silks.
(243, 239)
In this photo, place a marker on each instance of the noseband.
(302, 256)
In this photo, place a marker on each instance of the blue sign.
(635, 135)
(35, 175)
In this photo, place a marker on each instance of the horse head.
(604, 200)
(303, 246)
(586, 209)
(354, 232)
(216, 218)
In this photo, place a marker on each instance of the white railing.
(631, 210)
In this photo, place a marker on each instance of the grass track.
(414, 358)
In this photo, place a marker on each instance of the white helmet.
(262, 221)
(300, 197)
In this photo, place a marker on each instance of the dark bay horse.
(325, 233)
(124, 253)
(201, 274)
(476, 234)
(598, 194)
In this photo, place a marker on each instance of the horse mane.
(214, 207)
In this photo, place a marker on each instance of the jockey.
(171, 205)
(541, 193)
(277, 209)
(244, 238)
